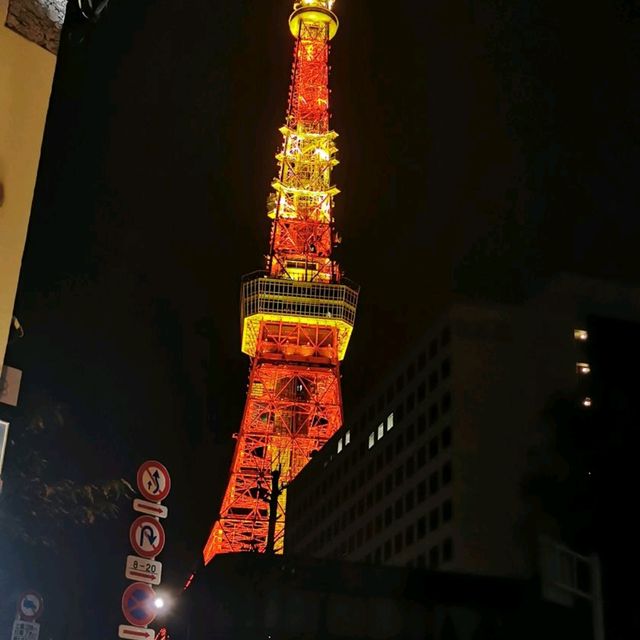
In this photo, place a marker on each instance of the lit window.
(347, 438)
(340, 445)
(372, 439)
(390, 422)
(581, 334)
(583, 367)
(586, 402)
(380, 430)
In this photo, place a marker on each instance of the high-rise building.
(297, 317)
(29, 33)
(432, 469)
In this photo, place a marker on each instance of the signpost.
(25, 630)
(150, 508)
(147, 539)
(143, 570)
(30, 606)
(138, 604)
(154, 481)
(135, 633)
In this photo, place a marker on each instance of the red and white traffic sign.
(143, 570)
(138, 604)
(135, 633)
(150, 508)
(154, 481)
(30, 606)
(147, 536)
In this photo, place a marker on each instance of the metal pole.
(596, 603)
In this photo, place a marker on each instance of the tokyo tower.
(298, 315)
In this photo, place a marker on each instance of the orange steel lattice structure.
(298, 315)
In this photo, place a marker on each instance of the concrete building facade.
(430, 471)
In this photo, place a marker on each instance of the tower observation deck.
(297, 315)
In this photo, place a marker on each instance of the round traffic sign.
(30, 606)
(138, 604)
(147, 537)
(154, 481)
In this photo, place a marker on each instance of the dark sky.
(484, 145)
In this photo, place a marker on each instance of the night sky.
(484, 145)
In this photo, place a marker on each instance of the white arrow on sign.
(141, 570)
(150, 508)
(135, 633)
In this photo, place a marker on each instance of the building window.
(583, 368)
(446, 474)
(445, 368)
(410, 467)
(411, 433)
(340, 445)
(379, 463)
(434, 483)
(422, 527)
(447, 550)
(581, 334)
(409, 535)
(347, 437)
(409, 502)
(399, 412)
(399, 508)
(422, 360)
(422, 391)
(433, 381)
(445, 339)
(388, 453)
(447, 511)
(434, 558)
(433, 348)
(388, 484)
(421, 456)
(399, 443)
(434, 519)
(411, 372)
(390, 422)
(398, 542)
(422, 491)
(380, 431)
(433, 448)
(446, 402)
(379, 491)
(445, 438)
(411, 402)
(387, 549)
(433, 414)
(388, 516)
(399, 475)
(372, 439)
(378, 525)
(422, 423)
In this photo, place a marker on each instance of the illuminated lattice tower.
(297, 317)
